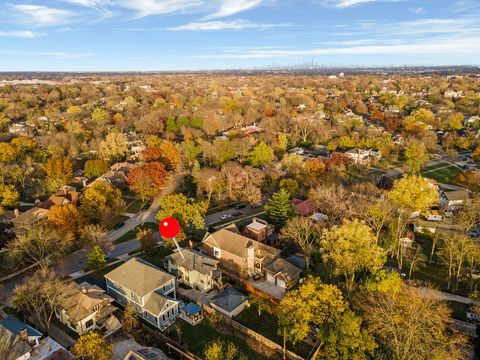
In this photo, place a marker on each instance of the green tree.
(351, 247)
(92, 346)
(95, 168)
(96, 259)
(261, 155)
(279, 208)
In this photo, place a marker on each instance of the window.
(217, 252)
(89, 323)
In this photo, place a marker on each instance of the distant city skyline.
(163, 35)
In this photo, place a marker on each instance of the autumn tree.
(220, 350)
(351, 247)
(189, 212)
(100, 200)
(96, 235)
(304, 234)
(130, 319)
(59, 173)
(415, 155)
(313, 303)
(147, 240)
(65, 217)
(7, 152)
(147, 180)
(454, 251)
(413, 193)
(409, 325)
(210, 182)
(334, 200)
(9, 196)
(96, 168)
(290, 185)
(279, 208)
(92, 346)
(114, 147)
(39, 296)
(40, 245)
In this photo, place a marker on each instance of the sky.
(161, 35)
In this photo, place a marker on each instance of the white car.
(226, 216)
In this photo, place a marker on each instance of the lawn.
(132, 234)
(267, 325)
(135, 206)
(444, 173)
(197, 337)
(157, 256)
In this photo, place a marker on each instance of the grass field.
(131, 234)
(443, 172)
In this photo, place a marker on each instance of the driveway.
(197, 296)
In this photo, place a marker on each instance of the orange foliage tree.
(147, 180)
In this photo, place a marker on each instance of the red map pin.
(169, 228)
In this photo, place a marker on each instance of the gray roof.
(457, 195)
(16, 346)
(229, 299)
(139, 276)
(282, 266)
(194, 261)
(14, 325)
(156, 302)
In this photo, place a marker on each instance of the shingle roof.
(457, 195)
(156, 302)
(139, 276)
(237, 244)
(229, 299)
(16, 346)
(194, 261)
(282, 266)
(14, 325)
(305, 207)
(31, 215)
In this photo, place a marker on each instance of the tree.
(95, 168)
(114, 147)
(209, 181)
(220, 350)
(7, 152)
(170, 156)
(130, 319)
(39, 296)
(346, 339)
(147, 180)
(314, 167)
(40, 246)
(454, 252)
(96, 235)
(335, 201)
(260, 303)
(9, 196)
(305, 234)
(413, 193)
(99, 115)
(415, 156)
(351, 247)
(23, 145)
(100, 200)
(279, 208)
(408, 325)
(92, 346)
(415, 256)
(190, 213)
(65, 217)
(96, 259)
(313, 303)
(147, 240)
(377, 215)
(261, 155)
(59, 173)
(291, 185)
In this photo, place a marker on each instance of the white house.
(194, 269)
(148, 289)
(452, 200)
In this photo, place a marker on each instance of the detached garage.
(282, 273)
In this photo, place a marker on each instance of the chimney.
(84, 291)
(24, 335)
(37, 201)
(16, 212)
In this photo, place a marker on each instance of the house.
(258, 230)
(237, 253)
(87, 307)
(282, 273)
(118, 174)
(29, 219)
(194, 269)
(363, 156)
(304, 207)
(148, 289)
(148, 353)
(434, 215)
(452, 200)
(26, 343)
(229, 302)
(245, 257)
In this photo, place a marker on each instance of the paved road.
(440, 295)
(217, 217)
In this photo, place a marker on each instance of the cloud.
(39, 15)
(145, 8)
(224, 25)
(425, 47)
(88, 3)
(25, 34)
(349, 3)
(232, 7)
(51, 54)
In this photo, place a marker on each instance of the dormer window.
(217, 252)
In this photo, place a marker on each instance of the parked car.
(240, 206)
(119, 225)
(237, 213)
(145, 207)
(474, 233)
(226, 216)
